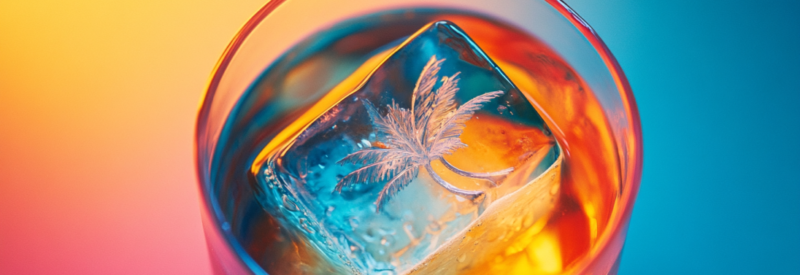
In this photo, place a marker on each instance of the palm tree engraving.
(410, 139)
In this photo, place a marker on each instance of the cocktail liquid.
(421, 141)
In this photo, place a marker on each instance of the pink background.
(97, 108)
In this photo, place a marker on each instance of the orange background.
(97, 108)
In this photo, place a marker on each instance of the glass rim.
(631, 175)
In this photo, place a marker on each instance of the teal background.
(717, 87)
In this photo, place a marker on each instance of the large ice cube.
(501, 133)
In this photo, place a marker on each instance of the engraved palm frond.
(414, 138)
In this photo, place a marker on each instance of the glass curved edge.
(225, 254)
(606, 254)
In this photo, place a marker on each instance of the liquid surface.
(311, 110)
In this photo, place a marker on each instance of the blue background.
(717, 87)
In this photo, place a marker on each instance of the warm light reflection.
(545, 254)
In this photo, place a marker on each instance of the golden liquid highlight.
(590, 173)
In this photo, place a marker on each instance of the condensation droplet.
(387, 240)
(329, 211)
(554, 189)
(289, 204)
(527, 221)
(353, 222)
(306, 226)
(370, 235)
(462, 258)
(435, 226)
(385, 231)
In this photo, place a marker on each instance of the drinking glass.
(229, 208)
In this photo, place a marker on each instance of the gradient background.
(98, 101)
